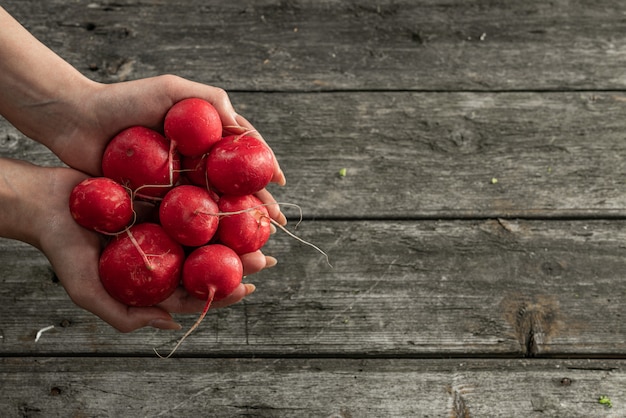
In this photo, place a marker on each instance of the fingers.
(95, 299)
(242, 291)
(127, 318)
(255, 262)
(184, 303)
(273, 208)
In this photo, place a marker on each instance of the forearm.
(18, 215)
(37, 88)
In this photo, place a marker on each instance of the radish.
(189, 215)
(194, 125)
(142, 159)
(240, 165)
(210, 273)
(245, 223)
(101, 204)
(142, 267)
(194, 169)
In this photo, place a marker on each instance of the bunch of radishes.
(202, 187)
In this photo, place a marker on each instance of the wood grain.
(396, 289)
(437, 45)
(476, 239)
(99, 387)
(434, 155)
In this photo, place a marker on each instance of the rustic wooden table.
(478, 237)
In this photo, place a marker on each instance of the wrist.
(25, 216)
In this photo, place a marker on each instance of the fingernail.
(235, 129)
(165, 324)
(270, 261)
(272, 229)
(250, 288)
(282, 179)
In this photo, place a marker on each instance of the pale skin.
(52, 103)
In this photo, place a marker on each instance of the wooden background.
(478, 239)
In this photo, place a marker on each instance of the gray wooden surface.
(477, 239)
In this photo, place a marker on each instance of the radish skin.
(248, 228)
(189, 215)
(240, 165)
(194, 125)
(143, 160)
(141, 267)
(102, 205)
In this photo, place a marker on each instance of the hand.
(73, 252)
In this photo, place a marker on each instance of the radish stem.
(149, 265)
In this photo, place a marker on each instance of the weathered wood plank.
(329, 45)
(430, 288)
(105, 387)
(434, 155)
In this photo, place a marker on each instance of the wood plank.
(435, 155)
(508, 288)
(329, 45)
(98, 387)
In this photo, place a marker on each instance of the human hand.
(74, 252)
(107, 109)
(38, 214)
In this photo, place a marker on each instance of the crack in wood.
(528, 330)
(458, 406)
(535, 319)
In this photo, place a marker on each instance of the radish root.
(207, 306)
(285, 230)
(294, 236)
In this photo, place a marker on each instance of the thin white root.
(292, 235)
(193, 327)
(170, 164)
(250, 209)
(143, 255)
(41, 331)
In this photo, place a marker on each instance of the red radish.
(194, 125)
(138, 157)
(240, 165)
(142, 267)
(101, 204)
(194, 169)
(189, 215)
(210, 273)
(245, 224)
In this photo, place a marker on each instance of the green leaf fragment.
(606, 401)
(343, 172)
